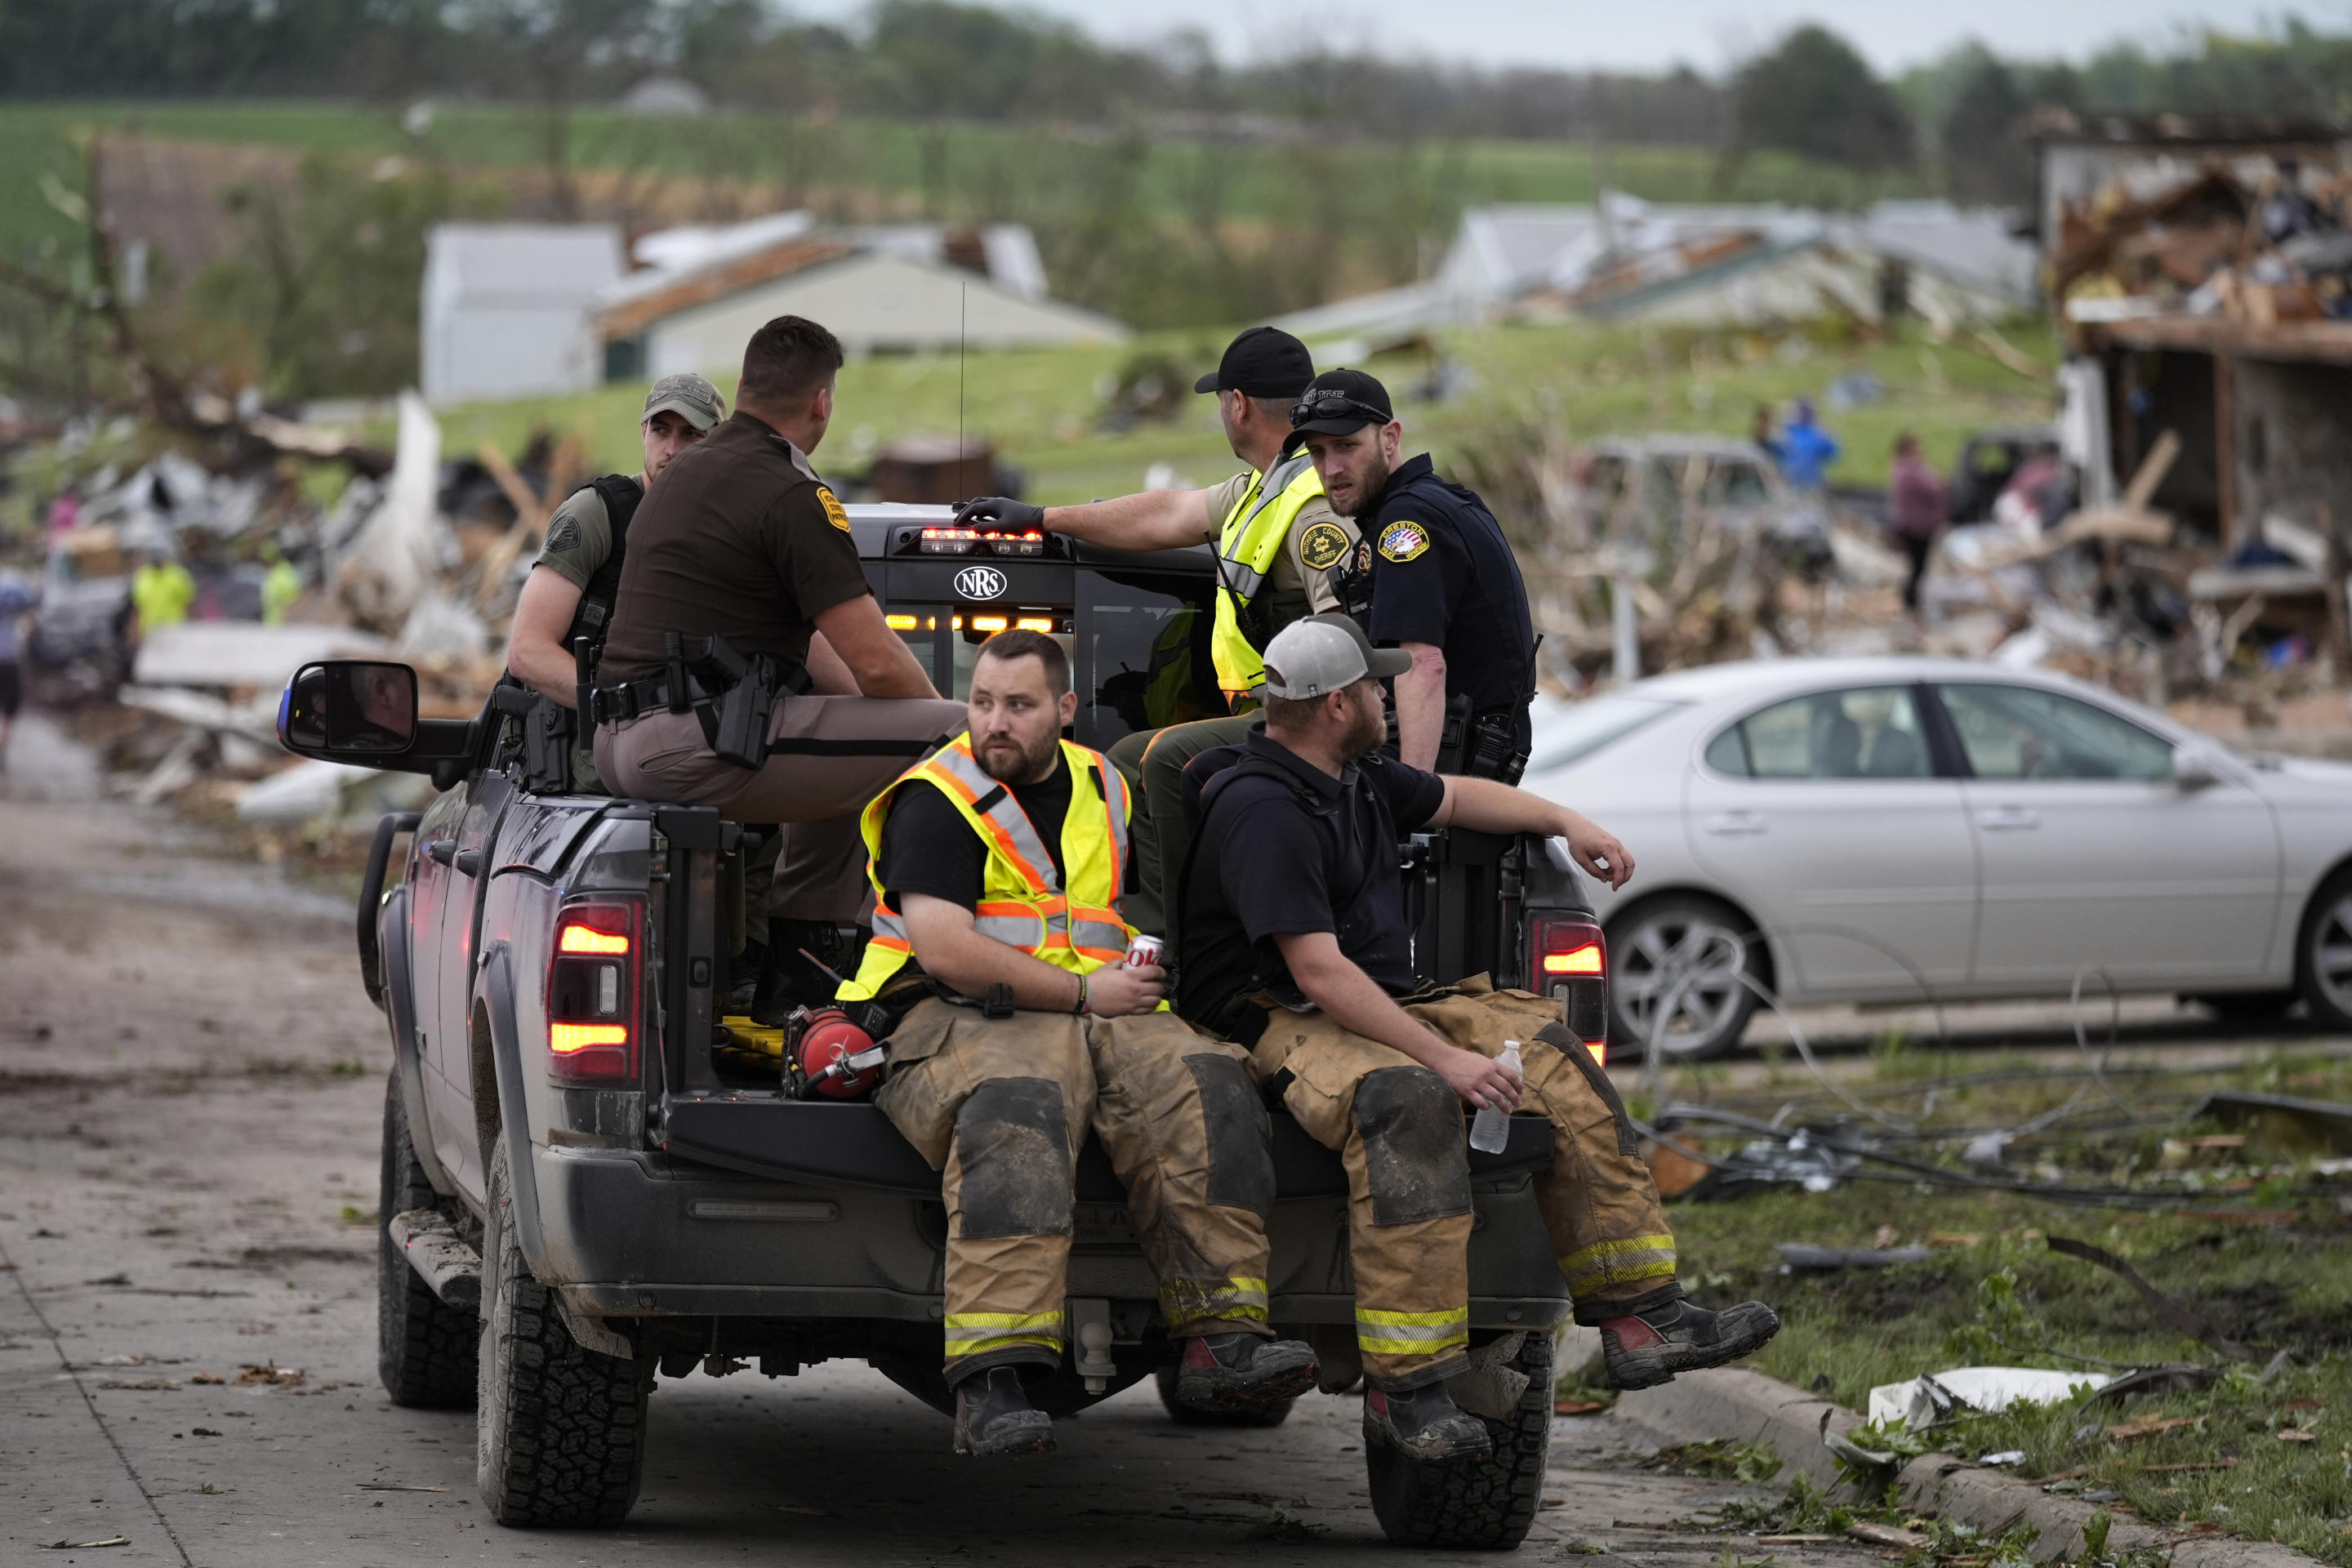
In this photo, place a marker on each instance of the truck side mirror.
(350, 711)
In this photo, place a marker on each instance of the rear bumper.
(639, 1233)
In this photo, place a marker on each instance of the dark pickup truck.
(582, 1190)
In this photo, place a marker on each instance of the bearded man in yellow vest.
(997, 864)
(1276, 540)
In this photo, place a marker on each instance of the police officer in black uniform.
(1432, 575)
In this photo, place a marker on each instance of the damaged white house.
(1623, 259)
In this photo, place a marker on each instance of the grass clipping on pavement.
(2241, 1227)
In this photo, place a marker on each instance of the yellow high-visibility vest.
(1072, 923)
(1254, 533)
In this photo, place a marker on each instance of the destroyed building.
(2203, 272)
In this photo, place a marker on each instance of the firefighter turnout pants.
(1001, 1108)
(1399, 1129)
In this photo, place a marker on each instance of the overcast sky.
(1654, 34)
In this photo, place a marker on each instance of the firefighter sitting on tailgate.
(1295, 944)
(997, 864)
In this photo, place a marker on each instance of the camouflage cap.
(689, 397)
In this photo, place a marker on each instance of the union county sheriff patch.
(1323, 545)
(833, 511)
(1401, 541)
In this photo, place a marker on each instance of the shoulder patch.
(834, 513)
(1323, 545)
(1403, 539)
(564, 535)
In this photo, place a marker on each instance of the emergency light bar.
(979, 542)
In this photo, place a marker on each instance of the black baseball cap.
(1265, 361)
(1340, 402)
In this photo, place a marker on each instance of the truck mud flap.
(857, 1144)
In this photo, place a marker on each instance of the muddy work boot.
(994, 1415)
(1425, 1425)
(1220, 1372)
(1646, 1351)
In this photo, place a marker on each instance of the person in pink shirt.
(1921, 504)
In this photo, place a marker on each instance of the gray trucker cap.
(689, 397)
(1323, 653)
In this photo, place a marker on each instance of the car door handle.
(443, 850)
(1734, 823)
(2008, 819)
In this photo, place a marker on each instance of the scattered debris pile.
(2263, 243)
(416, 558)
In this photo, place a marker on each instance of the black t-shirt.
(1268, 863)
(1443, 574)
(928, 848)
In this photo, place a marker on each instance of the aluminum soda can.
(1145, 950)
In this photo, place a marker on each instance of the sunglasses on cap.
(1330, 402)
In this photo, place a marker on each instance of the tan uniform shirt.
(1292, 577)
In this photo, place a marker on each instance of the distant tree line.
(942, 60)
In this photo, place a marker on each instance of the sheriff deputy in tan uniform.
(742, 539)
(997, 865)
(1296, 943)
(1277, 540)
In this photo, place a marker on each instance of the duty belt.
(619, 704)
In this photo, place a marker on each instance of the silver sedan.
(1892, 830)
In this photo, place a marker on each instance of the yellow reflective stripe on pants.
(1187, 1301)
(1620, 1262)
(969, 1333)
(1412, 1333)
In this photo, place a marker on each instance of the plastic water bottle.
(1491, 1130)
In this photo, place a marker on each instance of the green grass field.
(1039, 408)
(976, 170)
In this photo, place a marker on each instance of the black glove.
(999, 512)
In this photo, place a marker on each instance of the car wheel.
(1478, 1505)
(560, 1429)
(1688, 952)
(2323, 955)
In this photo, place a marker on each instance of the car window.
(1863, 732)
(2023, 732)
(1582, 729)
(1743, 485)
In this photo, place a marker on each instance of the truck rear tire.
(1272, 1412)
(562, 1429)
(1479, 1504)
(424, 1346)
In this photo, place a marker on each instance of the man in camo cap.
(569, 593)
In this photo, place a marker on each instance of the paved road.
(190, 1087)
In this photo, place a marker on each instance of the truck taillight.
(594, 1012)
(1569, 959)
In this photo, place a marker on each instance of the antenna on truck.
(964, 309)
